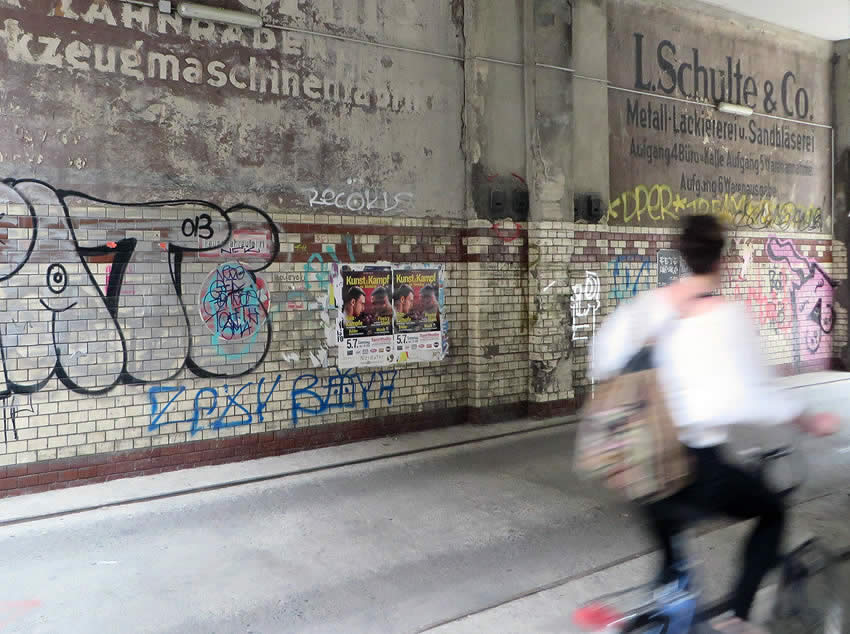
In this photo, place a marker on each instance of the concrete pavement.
(480, 534)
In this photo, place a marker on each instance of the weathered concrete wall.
(841, 106)
(841, 166)
(674, 157)
(129, 104)
(590, 153)
(182, 332)
(494, 94)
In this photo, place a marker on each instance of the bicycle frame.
(650, 614)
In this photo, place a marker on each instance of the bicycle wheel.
(808, 599)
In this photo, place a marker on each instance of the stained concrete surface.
(397, 545)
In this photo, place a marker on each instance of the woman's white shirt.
(710, 365)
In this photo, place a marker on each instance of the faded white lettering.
(49, 56)
(99, 11)
(312, 87)
(359, 200)
(131, 16)
(194, 71)
(76, 53)
(232, 35)
(291, 43)
(236, 81)
(109, 65)
(164, 21)
(200, 30)
(259, 75)
(264, 39)
(63, 9)
(168, 66)
(17, 43)
(131, 61)
(219, 78)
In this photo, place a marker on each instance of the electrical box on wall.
(514, 206)
(588, 208)
(520, 204)
(498, 204)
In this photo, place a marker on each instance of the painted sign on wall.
(672, 157)
(125, 101)
(670, 266)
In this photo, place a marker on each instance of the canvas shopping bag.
(627, 439)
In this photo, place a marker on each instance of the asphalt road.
(390, 546)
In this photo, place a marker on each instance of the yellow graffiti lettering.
(659, 204)
(653, 202)
(641, 200)
(786, 215)
(629, 213)
(611, 206)
(665, 199)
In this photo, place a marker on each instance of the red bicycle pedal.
(596, 616)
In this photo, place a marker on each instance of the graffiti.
(533, 256)
(364, 200)
(318, 279)
(658, 204)
(244, 243)
(125, 290)
(12, 610)
(92, 328)
(811, 301)
(669, 267)
(584, 303)
(315, 283)
(770, 309)
(350, 247)
(507, 231)
(776, 280)
(346, 390)
(17, 404)
(207, 403)
(625, 286)
(746, 248)
(233, 302)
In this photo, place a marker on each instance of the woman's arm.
(753, 381)
(629, 328)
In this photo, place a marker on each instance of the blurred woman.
(709, 363)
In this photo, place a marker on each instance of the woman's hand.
(822, 424)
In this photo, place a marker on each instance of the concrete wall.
(136, 182)
(129, 104)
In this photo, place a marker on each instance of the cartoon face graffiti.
(815, 310)
(812, 301)
(59, 322)
(56, 282)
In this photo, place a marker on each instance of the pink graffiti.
(812, 303)
(770, 308)
(11, 610)
(507, 233)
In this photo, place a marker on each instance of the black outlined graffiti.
(12, 406)
(93, 347)
(811, 301)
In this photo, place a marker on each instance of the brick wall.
(104, 382)
(786, 281)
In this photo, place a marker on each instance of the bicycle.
(806, 598)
